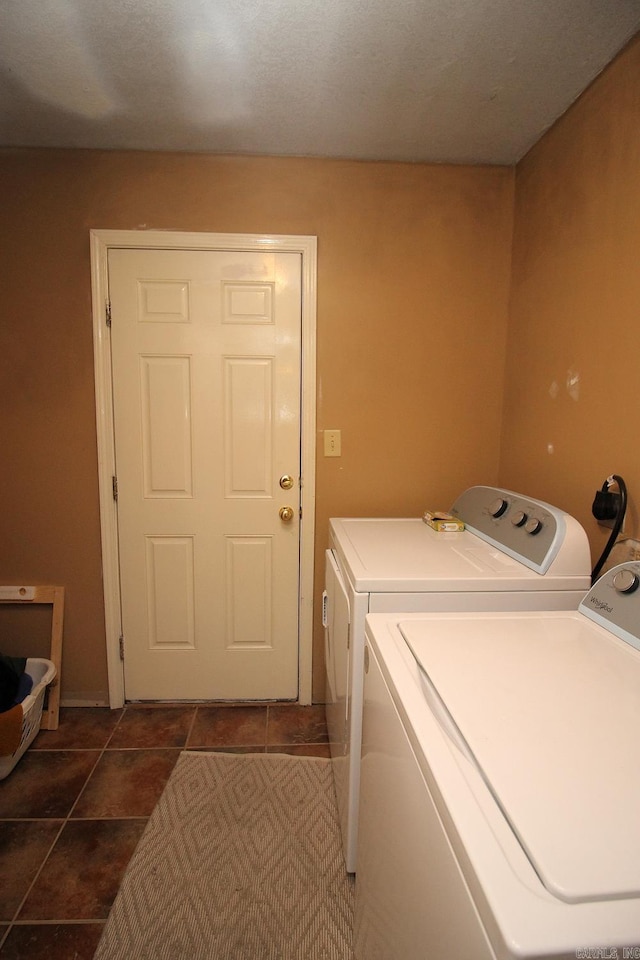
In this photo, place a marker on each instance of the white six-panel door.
(205, 352)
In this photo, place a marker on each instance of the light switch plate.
(332, 443)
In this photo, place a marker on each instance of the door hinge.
(114, 487)
(121, 643)
(107, 308)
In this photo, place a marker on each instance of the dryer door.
(336, 618)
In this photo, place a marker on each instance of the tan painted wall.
(413, 280)
(575, 305)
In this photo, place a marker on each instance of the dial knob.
(498, 507)
(533, 526)
(519, 519)
(626, 581)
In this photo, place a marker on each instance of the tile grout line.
(93, 769)
(190, 730)
(59, 923)
(38, 871)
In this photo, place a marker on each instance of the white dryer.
(516, 553)
(500, 782)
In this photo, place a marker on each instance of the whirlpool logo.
(600, 605)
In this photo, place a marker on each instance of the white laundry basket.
(42, 672)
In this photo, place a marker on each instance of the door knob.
(286, 481)
(286, 514)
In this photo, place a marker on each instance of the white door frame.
(101, 242)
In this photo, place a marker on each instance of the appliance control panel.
(529, 530)
(614, 602)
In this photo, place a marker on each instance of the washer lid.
(549, 705)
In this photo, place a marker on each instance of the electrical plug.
(606, 505)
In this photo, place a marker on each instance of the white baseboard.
(84, 700)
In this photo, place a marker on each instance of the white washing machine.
(499, 803)
(516, 553)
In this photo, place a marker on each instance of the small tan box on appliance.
(443, 522)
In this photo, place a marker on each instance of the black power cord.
(609, 506)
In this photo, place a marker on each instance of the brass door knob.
(286, 481)
(286, 514)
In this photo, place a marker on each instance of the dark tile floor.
(75, 806)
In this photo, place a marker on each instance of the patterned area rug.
(241, 860)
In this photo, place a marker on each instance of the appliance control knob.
(626, 581)
(519, 519)
(498, 507)
(533, 526)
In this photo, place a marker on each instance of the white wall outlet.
(332, 443)
(621, 552)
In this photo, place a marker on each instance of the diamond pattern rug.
(240, 860)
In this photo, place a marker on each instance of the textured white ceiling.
(464, 81)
